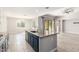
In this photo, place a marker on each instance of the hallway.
(17, 43)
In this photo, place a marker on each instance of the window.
(51, 26)
(20, 23)
(48, 27)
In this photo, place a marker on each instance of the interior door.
(11, 25)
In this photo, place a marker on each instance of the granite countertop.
(40, 34)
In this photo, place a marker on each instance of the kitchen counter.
(40, 42)
(40, 34)
(3, 42)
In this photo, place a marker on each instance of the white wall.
(3, 24)
(70, 27)
(3, 21)
(12, 24)
(8, 22)
(29, 24)
(32, 23)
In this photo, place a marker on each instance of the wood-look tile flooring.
(68, 42)
(17, 43)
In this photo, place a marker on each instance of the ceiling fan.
(68, 10)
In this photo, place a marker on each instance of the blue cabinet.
(33, 40)
(42, 44)
(36, 43)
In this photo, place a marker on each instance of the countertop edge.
(41, 35)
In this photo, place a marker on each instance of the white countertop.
(40, 34)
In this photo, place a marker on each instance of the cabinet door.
(28, 38)
(36, 44)
(31, 40)
(6, 43)
(0, 48)
(3, 47)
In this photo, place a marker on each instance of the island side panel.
(48, 43)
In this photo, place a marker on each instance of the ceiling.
(32, 12)
(28, 12)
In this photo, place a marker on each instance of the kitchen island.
(41, 42)
(43, 38)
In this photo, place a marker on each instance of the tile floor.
(17, 43)
(66, 43)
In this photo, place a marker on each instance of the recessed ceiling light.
(46, 7)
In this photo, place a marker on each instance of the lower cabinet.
(36, 44)
(33, 41)
(3, 47)
(4, 44)
(43, 44)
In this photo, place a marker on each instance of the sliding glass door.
(49, 27)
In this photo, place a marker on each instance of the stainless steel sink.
(34, 31)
